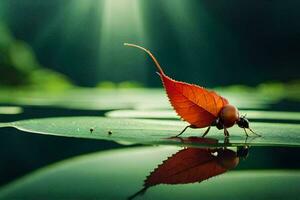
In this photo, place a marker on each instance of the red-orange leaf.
(195, 104)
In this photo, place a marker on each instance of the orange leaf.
(194, 104)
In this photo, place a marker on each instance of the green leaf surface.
(117, 174)
(155, 131)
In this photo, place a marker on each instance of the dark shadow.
(22, 153)
(191, 165)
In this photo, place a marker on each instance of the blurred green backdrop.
(210, 43)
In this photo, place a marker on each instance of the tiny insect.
(198, 106)
(109, 132)
(92, 130)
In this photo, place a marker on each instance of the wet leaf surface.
(155, 131)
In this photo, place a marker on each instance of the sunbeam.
(121, 22)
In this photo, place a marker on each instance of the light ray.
(121, 22)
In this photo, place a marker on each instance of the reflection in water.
(191, 165)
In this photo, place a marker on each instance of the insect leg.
(207, 130)
(226, 133)
(189, 126)
(246, 133)
(226, 140)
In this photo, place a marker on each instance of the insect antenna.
(244, 116)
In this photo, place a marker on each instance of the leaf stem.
(149, 53)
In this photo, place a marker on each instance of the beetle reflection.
(191, 165)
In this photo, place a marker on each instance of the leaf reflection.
(191, 165)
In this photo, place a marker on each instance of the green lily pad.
(88, 99)
(171, 114)
(117, 174)
(155, 131)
